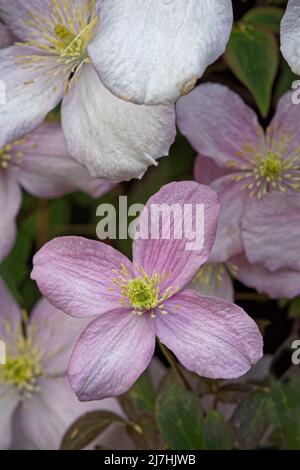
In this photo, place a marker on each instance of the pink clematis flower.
(37, 404)
(257, 178)
(136, 301)
(6, 37)
(39, 163)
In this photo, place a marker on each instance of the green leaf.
(268, 18)
(87, 428)
(252, 55)
(139, 399)
(218, 433)
(286, 400)
(252, 419)
(145, 433)
(179, 416)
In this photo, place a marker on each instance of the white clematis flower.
(290, 35)
(114, 139)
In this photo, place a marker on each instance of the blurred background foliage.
(259, 411)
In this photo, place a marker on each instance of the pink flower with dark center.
(39, 163)
(37, 404)
(256, 175)
(136, 301)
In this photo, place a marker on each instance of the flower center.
(11, 156)
(63, 34)
(270, 166)
(23, 369)
(142, 293)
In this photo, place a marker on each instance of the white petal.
(114, 139)
(8, 404)
(290, 35)
(30, 93)
(10, 201)
(153, 51)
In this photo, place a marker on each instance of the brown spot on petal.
(188, 86)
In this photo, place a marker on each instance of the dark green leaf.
(218, 433)
(140, 399)
(268, 18)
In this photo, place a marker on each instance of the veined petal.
(54, 334)
(206, 171)
(77, 275)
(10, 318)
(10, 201)
(9, 400)
(153, 52)
(47, 170)
(270, 231)
(30, 92)
(214, 338)
(41, 422)
(114, 139)
(111, 354)
(174, 247)
(213, 280)
(289, 35)
(283, 283)
(17, 13)
(218, 123)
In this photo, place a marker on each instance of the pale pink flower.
(40, 164)
(136, 301)
(290, 35)
(37, 404)
(256, 175)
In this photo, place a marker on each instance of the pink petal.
(217, 122)
(10, 201)
(284, 283)
(213, 280)
(270, 230)
(287, 121)
(206, 170)
(9, 400)
(76, 275)
(49, 171)
(54, 334)
(41, 422)
(111, 354)
(10, 318)
(233, 202)
(214, 338)
(174, 256)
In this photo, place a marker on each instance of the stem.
(168, 355)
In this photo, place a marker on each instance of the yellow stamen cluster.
(62, 35)
(10, 155)
(209, 271)
(23, 368)
(271, 165)
(142, 293)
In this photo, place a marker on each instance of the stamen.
(11, 156)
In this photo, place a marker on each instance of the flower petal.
(171, 253)
(48, 170)
(213, 280)
(76, 275)
(214, 338)
(10, 201)
(283, 283)
(17, 13)
(54, 334)
(290, 39)
(114, 139)
(41, 422)
(9, 399)
(206, 171)
(270, 231)
(233, 202)
(111, 354)
(10, 316)
(30, 93)
(217, 123)
(152, 52)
